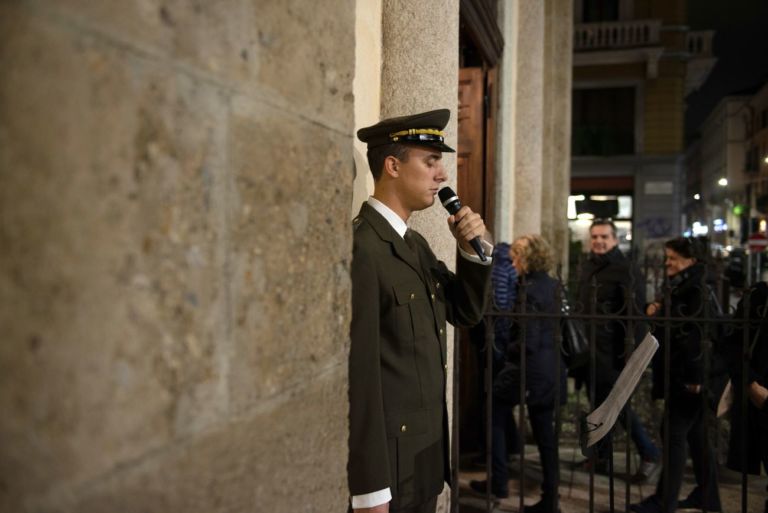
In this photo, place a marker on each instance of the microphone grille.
(445, 194)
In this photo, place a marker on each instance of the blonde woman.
(532, 258)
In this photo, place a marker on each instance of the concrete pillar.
(529, 119)
(557, 126)
(505, 145)
(420, 71)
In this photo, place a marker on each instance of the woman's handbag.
(575, 347)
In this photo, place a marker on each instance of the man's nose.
(441, 175)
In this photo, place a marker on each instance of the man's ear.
(391, 166)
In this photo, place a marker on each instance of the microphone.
(452, 204)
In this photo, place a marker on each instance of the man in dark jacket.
(679, 377)
(607, 279)
(402, 296)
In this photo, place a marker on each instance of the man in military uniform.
(402, 296)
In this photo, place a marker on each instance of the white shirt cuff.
(472, 257)
(370, 500)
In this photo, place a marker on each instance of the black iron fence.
(724, 339)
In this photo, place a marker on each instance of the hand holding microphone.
(466, 226)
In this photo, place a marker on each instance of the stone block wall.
(175, 187)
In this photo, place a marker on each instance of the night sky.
(741, 47)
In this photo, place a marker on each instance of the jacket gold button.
(403, 428)
(446, 367)
(437, 285)
(441, 331)
(413, 296)
(432, 296)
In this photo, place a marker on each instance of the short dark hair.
(604, 222)
(378, 154)
(684, 246)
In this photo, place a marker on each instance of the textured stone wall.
(175, 186)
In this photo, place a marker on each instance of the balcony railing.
(611, 35)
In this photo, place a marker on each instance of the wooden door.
(491, 102)
(475, 188)
(470, 181)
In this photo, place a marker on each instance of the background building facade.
(718, 173)
(727, 175)
(634, 63)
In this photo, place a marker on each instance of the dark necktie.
(410, 239)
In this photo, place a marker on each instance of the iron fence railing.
(725, 343)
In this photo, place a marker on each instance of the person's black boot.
(650, 504)
(479, 488)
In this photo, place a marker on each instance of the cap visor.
(442, 147)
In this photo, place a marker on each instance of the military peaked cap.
(425, 129)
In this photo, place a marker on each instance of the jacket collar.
(387, 213)
(386, 233)
(613, 255)
(687, 278)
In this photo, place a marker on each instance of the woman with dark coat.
(686, 410)
(537, 291)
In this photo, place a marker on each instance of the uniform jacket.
(614, 275)
(398, 359)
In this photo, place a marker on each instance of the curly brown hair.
(535, 253)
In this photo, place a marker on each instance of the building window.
(603, 121)
(600, 10)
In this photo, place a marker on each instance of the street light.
(697, 196)
(722, 182)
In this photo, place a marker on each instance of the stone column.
(557, 123)
(420, 71)
(505, 147)
(529, 124)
